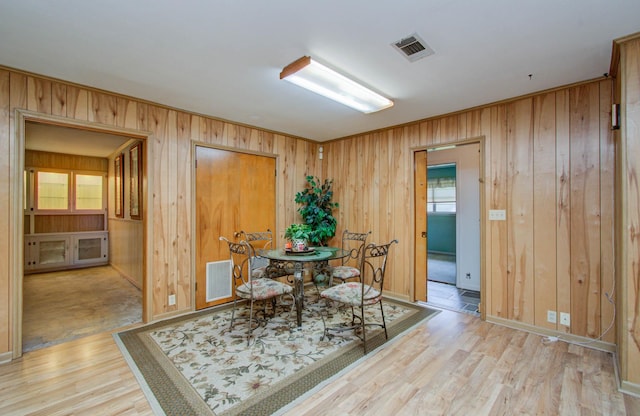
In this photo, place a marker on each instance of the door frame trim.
(16, 226)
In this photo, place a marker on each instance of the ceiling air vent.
(413, 47)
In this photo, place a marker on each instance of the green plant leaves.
(317, 209)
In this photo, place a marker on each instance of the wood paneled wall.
(173, 133)
(548, 161)
(38, 159)
(125, 250)
(628, 226)
(68, 223)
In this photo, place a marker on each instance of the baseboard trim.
(6, 357)
(629, 388)
(126, 276)
(562, 336)
(397, 297)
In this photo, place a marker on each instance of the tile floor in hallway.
(443, 295)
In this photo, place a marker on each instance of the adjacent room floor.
(442, 268)
(65, 305)
(443, 295)
(441, 286)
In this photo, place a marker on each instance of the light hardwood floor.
(454, 364)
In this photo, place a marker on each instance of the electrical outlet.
(172, 300)
(497, 215)
(565, 319)
(551, 317)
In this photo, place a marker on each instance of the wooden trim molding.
(135, 181)
(562, 336)
(16, 232)
(630, 388)
(6, 357)
(615, 52)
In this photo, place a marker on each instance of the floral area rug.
(196, 364)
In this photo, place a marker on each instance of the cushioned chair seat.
(258, 273)
(263, 289)
(350, 265)
(350, 293)
(345, 272)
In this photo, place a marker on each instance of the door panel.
(234, 191)
(420, 239)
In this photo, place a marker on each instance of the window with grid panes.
(441, 188)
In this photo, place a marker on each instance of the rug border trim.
(146, 390)
(157, 406)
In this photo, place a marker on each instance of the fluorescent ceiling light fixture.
(309, 74)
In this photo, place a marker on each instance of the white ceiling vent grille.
(413, 47)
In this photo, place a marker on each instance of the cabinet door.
(90, 248)
(51, 251)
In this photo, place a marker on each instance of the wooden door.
(420, 232)
(234, 191)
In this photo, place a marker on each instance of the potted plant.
(299, 235)
(316, 209)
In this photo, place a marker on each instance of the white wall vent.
(413, 47)
(219, 284)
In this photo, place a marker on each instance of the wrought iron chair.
(260, 240)
(362, 294)
(247, 287)
(263, 240)
(350, 267)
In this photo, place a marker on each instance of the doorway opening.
(451, 210)
(66, 284)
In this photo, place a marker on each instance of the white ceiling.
(73, 141)
(223, 58)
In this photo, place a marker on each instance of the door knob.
(423, 234)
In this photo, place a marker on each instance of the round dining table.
(288, 262)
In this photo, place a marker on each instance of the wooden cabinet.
(90, 248)
(44, 252)
(65, 211)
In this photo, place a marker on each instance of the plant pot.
(299, 245)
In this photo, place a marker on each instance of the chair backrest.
(374, 265)
(259, 240)
(354, 243)
(240, 256)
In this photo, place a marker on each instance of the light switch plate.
(497, 215)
